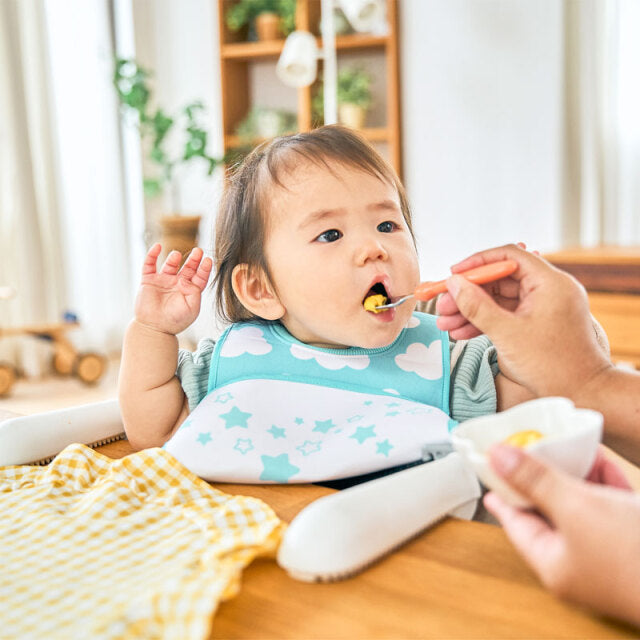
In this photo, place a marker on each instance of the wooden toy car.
(87, 366)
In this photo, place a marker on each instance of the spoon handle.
(479, 275)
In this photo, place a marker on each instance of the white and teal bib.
(278, 410)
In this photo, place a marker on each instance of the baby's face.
(329, 241)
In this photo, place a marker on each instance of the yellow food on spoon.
(523, 438)
(372, 302)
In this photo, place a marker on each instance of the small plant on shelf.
(267, 19)
(354, 98)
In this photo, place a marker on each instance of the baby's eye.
(329, 236)
(387, 226)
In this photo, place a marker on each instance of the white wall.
(179, 42)
(482, 109)
(482, 114)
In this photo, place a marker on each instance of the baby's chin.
(378, 340)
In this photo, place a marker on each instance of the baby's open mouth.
(375, 297)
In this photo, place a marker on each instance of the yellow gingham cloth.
(139, 547)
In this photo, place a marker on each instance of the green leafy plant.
(354, 87)
(245, 11)
(132, 85)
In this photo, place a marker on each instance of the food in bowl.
(523, 438)
(570, 439)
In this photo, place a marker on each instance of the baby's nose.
(370, 250)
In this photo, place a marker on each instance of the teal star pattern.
(309, 447)
(355, 418)
(384, 447)
(244, 445)
(324, 425)
(393, 404)
(392, 413)
(299, 421)
(364, 433)
(277, 468)
(203, 438)
(276, 432)
(223, 398)
(368, 402)
(236, 418)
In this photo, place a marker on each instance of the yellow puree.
(372, 302)
(523, 438)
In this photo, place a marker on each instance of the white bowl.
(570, 440)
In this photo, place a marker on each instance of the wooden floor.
(29, 396)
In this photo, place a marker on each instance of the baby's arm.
(478, 387)
(152, 401)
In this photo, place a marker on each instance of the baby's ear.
(255, 292)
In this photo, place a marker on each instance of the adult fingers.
(605, 471)
(551, 491)
(449, 323)
(465, 333)
(150, 260)
(506, 294)
(477, 306)
(525, 259)
(505, 252)
(532, 535)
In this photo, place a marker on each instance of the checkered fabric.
(139, 547)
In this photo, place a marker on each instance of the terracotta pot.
(352, 115)
(179, 233)
(268, 26)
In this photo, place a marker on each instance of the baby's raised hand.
(169, 300)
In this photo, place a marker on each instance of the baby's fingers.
(202, 275)
(172, 263)
(151, 259)
(196, 269)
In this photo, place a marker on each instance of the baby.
(305, 384)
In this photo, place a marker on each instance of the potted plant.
(354, 98)
(268, 19)
(132, 85)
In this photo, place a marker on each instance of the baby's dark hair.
(242, 219)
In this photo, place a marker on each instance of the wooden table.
(459, 579)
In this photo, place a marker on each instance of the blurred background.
(507, 121)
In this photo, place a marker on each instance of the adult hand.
(538, 319)
(169, 300)
(584, 539)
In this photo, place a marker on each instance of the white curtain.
(66, 241)
(603, 122)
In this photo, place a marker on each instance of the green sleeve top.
(474, 365)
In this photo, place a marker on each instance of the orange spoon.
(479, 275)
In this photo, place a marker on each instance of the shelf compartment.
(372, 134)
(273, 48)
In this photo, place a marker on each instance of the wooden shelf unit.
(611, 276)
(237, 55)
